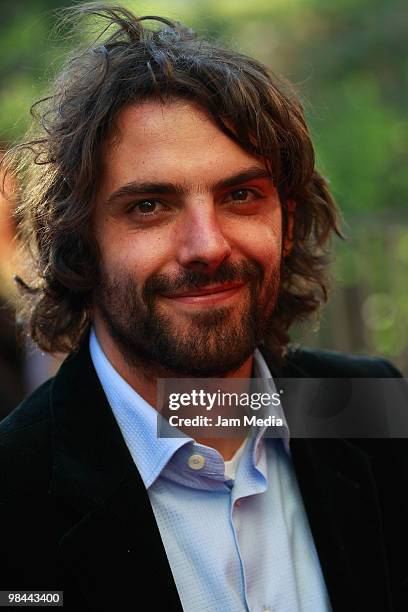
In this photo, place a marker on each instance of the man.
(178, 227)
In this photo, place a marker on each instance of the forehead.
(165, 141)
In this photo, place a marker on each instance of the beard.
(213, 342)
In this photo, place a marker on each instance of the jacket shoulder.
(333, 364)
(25, 446)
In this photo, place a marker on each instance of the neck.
(143, 379)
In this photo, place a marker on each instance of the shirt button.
(196, 462)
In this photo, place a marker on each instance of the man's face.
(189, 229)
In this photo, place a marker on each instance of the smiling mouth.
(212, 294)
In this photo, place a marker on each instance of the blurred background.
(349, 62)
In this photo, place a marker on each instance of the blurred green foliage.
(349, 62)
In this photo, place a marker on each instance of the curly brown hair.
(58, 164)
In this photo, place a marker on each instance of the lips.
(210, 290)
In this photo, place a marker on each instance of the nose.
(202, 244)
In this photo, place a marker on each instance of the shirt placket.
(250, 480)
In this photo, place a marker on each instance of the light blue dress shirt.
(233, 545)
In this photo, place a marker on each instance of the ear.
(288, 240)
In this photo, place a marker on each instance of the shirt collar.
(261, 370)
(137, 419)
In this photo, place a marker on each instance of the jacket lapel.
(340, 498)
(110, 545)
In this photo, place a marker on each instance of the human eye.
(243, 196)
(239, 195)
(146, 208)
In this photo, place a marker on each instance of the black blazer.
(75, 515)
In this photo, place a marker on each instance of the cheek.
(259, 238)
(138, 254)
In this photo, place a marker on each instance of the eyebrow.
(135, 188)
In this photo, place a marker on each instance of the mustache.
(248, 271)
